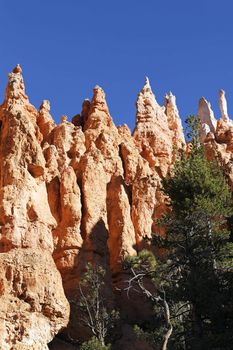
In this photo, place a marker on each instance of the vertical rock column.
(63, 152)
(106, 203)
(33, 306)
(154, 142)
(94, 178)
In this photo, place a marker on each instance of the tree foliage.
(143, 271)
(197, 269)
(94, 344)
(95, 312)
(194, 272)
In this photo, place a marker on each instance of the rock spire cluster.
(217, 134)
(80, 191)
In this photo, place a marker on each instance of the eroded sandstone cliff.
(33, 306)
(80, 191)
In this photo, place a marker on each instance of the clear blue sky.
(65, 47)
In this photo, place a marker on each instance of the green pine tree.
(197, 267)
(94, 311)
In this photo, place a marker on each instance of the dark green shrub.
(94, 344)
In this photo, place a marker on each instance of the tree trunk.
(168, 324)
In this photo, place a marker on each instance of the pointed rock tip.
(64, 118)
(86, 102)
(168, 95)
(98, 91)
(204, 103)
(17, 69)
(146, 87)
(203, 99)
(97, 87)
(45, 104)
(147, 82)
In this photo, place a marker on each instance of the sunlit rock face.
(33, 306)
(158, 135)
(70, 193)
(218, 135)
(207, 119)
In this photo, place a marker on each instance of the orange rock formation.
(80, 191)
(33, 306)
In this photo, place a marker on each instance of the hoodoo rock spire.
(223, 105)
(82, 191)
(207, 119)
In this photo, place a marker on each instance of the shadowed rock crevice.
(121, 231)
(53, 191)
(94, 250)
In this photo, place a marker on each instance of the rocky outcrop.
(223, 105)
(45, 121)
(67, 235)
(174, 121)
(158, 135)
(207, 119)
(25, 217)
(152, 132)
(218, 136)
(33, 305)
(82, 191)
(70, 193)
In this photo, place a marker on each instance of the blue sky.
(65, 47)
